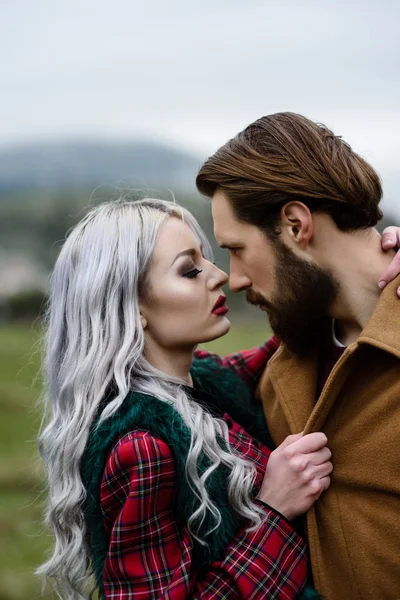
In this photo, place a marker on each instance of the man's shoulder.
(383, 327)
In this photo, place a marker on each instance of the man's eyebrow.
(188, 252)
(228, 245)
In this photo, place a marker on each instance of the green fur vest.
(140, 411)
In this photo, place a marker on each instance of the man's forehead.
(229, 231)
(220, 205)
(226, 226)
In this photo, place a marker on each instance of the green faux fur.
(233, 396)
(140, 411)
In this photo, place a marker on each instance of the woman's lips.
(220, 308)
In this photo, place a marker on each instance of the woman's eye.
(193, 273)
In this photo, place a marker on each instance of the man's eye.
(193, 273)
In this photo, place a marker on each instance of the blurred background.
(101, 97)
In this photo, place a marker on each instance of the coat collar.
(383, 328)
(295, 379)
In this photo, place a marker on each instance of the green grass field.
(23, 540)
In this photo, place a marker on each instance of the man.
(296, 208)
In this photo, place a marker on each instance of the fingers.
(391, 272)
(320, 457)
(308, 467)
(322, 485)
(390, 237)
(320, 482)
(325, 482)
(306, 444)
(290, 440)
(321, 471)
(298, 471)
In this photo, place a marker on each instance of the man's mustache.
(256, 298)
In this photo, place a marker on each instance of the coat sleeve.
(151, 557)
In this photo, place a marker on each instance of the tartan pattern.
(248, 364)
(151, 557)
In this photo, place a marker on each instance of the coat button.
(229, 422)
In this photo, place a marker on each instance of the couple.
(163, 481)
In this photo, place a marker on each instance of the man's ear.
(297, 223)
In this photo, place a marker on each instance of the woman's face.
(184, 304)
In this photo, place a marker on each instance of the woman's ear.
(143, 320)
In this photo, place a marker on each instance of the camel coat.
(354, 528)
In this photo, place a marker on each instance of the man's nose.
(238, 282)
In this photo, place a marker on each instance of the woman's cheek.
(183, 296)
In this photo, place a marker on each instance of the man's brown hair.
(284, 157)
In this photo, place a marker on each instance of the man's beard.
(299, 308)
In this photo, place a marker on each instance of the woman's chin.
(218, 330)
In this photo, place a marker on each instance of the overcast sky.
(195, 73)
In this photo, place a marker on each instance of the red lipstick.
(220, 308)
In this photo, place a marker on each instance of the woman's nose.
(218, 278)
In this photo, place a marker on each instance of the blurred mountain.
(87, 164)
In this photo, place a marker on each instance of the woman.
(153, 485)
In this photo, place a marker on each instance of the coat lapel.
(289, 383)
(294, 380)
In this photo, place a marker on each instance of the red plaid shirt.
(249, 364)
(151, 557)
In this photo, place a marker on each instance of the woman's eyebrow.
(188, 252)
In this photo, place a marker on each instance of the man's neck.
(357, 267)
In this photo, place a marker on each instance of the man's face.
(252, 258)
(295, 292)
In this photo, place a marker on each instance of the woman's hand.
(298, 471)
(391, 239)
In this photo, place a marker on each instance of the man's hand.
(391, 239)
(298, 471)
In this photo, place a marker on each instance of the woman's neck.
(175, 362)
